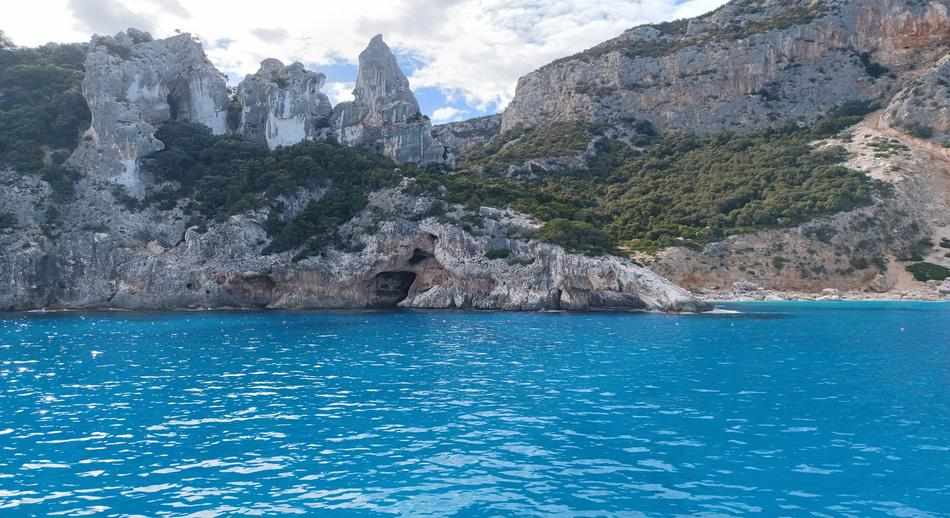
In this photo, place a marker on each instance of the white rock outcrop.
(282, 105)
(133, 84)
(384, 115)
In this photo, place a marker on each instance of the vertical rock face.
(923, 107)
(385, 115)
(282, 105)
(461, 137)
(749, 65)
(133, 84)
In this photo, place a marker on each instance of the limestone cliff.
(459, 138)
(78, 242)
(757, 64)
(922, 106)
(282, 105)
(749, 65)
(384, 115)
(103, 255)
(133, 84)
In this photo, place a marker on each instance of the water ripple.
(783, 410)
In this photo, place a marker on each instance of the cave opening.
(391, 288)
(179, 101)
(174, 106)
(419, 256)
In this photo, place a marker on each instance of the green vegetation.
(843, 117)
(7, 220)
(920, 131)
(42, 111)
(498, 253)
(683, 190)
(887, 147)
(924, 272)
(579, 236)
(222, 175)
(516, 146)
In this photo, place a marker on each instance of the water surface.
(839, 409)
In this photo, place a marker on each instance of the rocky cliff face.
(749, 65)
(922, 107)
(862, 250)
(384, 116)
(459, 138)
(757, 64)
(282, 105)
(91, 247)
(133, 84)
(102, 255)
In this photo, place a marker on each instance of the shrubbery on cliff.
(219, 176)
(42, 111)
(681, 190)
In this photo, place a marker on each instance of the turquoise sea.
(821, 409)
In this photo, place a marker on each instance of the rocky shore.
(935, 292)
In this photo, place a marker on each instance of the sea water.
(837, 409)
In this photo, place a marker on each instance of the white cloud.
(446, 114)
(475, 49)
(339, 92)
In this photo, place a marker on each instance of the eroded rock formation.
(384, 115)
(93, 248)
(282, 105)
(133, 84)
(461, 137)
(922, 107)
(106, 256)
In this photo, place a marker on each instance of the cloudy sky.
(463, 57)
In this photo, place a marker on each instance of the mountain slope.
(749, 65)
(753, 71)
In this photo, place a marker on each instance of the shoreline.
(712, 299)
(720, 297)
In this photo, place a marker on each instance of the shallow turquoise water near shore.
(837, 409)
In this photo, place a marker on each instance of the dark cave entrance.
(179, 101)
(174, 106)
(391, 288)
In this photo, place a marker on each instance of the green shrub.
(779, 262)
(682, 190)
(924, 272)
(920, 131)
(498, 253)
(577, 236)
(41, 105)
(872, 68)
(519, 145)
(225, 175)
(7, 220)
